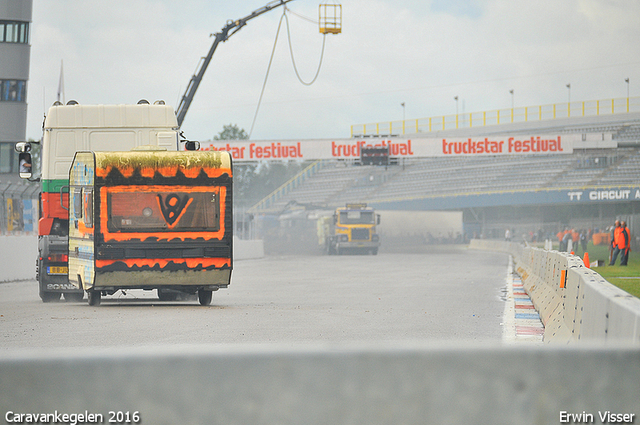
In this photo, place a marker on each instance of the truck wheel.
(74, 297)
(48, 297)
(94, 297)
(204, 296)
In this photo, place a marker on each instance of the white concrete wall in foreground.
(422, 383)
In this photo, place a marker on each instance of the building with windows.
(15, 23)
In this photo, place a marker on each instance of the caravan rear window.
(148, 209)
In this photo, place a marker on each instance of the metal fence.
(18, 208)
(500, 116)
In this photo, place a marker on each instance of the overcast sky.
(419, 52)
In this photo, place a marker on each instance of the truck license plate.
(57, 270)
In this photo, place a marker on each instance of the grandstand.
(337, 181)
(493, 191)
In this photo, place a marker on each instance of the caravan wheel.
(204, 296)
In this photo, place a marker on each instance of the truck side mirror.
(335, 219)
(378, 218)
(25, 171)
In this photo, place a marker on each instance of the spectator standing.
(624, 255)
(575, 239)
(507, 235)
(583, 240)
(612, 247)
(560, 236)
(619, 245)
(565, 241)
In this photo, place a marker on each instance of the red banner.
(414, 147)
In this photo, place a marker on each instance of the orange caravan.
(150, 219)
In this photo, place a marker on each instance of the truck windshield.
(167, 210)
(356, 217)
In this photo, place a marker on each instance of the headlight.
(344, 238)
(374, 238)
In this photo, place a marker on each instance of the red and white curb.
(521, 322)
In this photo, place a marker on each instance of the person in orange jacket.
(559, 236)
(624, 256)
(620, 244)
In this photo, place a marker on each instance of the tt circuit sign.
(523, 197)
(600, 195)
(245, 150)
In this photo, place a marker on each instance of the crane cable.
(303, 17)
(266, 77)
(324, 38)
(264, 84)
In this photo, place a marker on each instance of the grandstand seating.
(340, 181)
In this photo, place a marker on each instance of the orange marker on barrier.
(585, 260)
(563, 278)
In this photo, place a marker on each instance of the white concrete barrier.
(247, 249)
(406, 384)
(18, 257)
(574, 302)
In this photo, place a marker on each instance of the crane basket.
(330, 18)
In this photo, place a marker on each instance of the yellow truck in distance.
(352, 230)
(150, 219)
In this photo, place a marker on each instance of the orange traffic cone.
(585, 260)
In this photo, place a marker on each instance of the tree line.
(252, 182)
